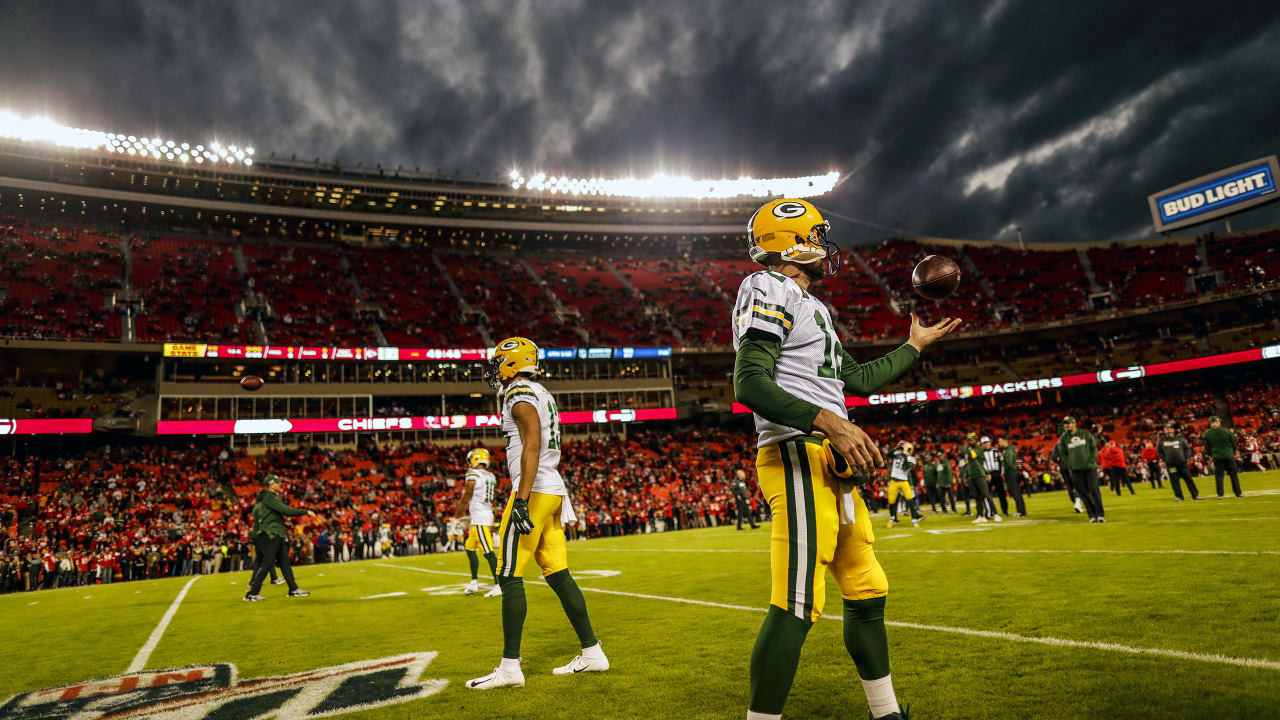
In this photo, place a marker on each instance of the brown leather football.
(251, 382)
(935, 277)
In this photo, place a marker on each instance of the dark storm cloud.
(964, 119)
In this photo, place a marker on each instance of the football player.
(533, 524)
(453, 529)
(477, 498)
(901, 461)
(792, 372)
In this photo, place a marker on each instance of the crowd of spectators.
(54, 282)
(189, 289)
(121, 513)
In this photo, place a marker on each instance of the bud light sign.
(1215, 195)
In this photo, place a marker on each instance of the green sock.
(493, 565)
(774, 660)
(865, 637)
(513, 611)
(575, 606)
(474, 562)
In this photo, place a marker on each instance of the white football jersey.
(900, 465)
(809, 365)
(548, 480)
(481, 506)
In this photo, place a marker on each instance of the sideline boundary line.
(144, 653)
(990, 634)
(1016, 551)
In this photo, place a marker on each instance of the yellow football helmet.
(510, 358)
(908, 448)
(794, 231)
(479, 457)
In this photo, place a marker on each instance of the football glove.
(520, 517)
(841, 468)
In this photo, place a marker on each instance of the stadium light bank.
(44, 130)
(670, 186)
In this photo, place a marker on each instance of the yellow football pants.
(545, 545)
(479, 538)
(808, 538)
(900, 486)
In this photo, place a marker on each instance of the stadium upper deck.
(187, 182)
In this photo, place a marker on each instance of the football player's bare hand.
(851, 441)
(922, 336)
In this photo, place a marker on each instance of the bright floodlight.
(680, 187)
(44, 130)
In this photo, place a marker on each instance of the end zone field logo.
(214, 691)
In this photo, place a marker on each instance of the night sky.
(961, 119)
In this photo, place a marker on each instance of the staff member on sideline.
(1012, 478)
(976, 477)
(270, 540)
(1079, 452)
(1175, 451)
(1220, 444)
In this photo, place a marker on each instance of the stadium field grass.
(1211, 618)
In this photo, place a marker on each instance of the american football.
(652, 360)
(935, 277)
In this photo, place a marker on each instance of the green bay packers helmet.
(908, 448)
(791, 231)
(478, 457)
(510, 358)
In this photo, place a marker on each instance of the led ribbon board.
(274, 426)
(61, 426)
(1215, 195)
(964, 392)
(396, 354)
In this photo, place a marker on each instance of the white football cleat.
(497, 679)
(979, 520)
(997, 518)
(472, 588)
(592, 659)
(494, 591)
(1079, 506)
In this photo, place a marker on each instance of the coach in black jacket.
(1175, 451)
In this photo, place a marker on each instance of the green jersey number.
(830, 358)
(553, 439)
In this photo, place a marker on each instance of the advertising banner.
(1215, 195)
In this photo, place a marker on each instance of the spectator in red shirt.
(1152, 459)
(1111, 460)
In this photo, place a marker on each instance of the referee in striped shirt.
(993, 463)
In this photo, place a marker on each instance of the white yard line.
(1018, 551)
(394, 594)
(144, 654)
(991, 634)
(1101, 552)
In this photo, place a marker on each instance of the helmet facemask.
(492, 374)
(830, 263)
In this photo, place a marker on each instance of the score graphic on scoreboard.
(396, 354)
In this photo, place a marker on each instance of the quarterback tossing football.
(935, 277)
(251, 382)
